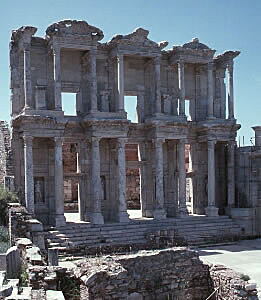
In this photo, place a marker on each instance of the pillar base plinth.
(159, 214)
(211, 211)
(123, 217)
(96, 218)
(60, 221)
(183, 213)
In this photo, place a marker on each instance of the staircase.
(195, 230)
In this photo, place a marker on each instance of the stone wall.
(176, 273)
(6, 166)
(230, 286)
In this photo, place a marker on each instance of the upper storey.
(72, 59)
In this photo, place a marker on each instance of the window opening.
(69, 104)
(130, 103)
(187, 110)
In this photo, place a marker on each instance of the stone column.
(120, 82)
(182, 179)
(156, 62)
(96, 216)
(57, 78)
(93, 80)
(58, 181)
(140, 107)
(105, 101)
(122, 212)
(29, 173)
(211, 210)
(231, 174)
(27, 78)
(230, 90)
(210, 91)
(159, 211)
(181, 87)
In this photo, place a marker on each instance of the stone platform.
(194, 230)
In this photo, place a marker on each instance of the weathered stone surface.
(13, 262)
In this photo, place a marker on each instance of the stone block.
(135, 296)
(211, 211)
(52, 257)
(54, 295)
(13, 262)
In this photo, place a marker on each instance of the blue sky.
(221, 24)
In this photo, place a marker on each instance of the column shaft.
(58, 181)
(230, 91)
(57, 78)
(96, 215)
(211, 173)
(120, 82)
(159, 211)
(81, 186)
(157, 85)
(181, 88)
(93, 80)
(210, 91)
(29, 176)
(122, 213)
(182, 179)
(211, 210)
(231, 174)
(27, 78)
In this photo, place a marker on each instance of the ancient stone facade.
(72, 59)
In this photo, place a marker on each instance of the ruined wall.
(176, 273)
(6, 164)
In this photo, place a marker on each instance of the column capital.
(95, 140)
(211, 65)
(119, 57)
(230, 66)
(158, 142)
(58, 140)
(181, 61)
(121, 142)
(28, 140)
(157, 60)
(211, 143)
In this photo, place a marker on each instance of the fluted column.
(210, 91)
(231, 174)
(28, 173)
(230, 68)
(211, 210)
(159, 211)
(156, 62)
(96, 216)
(181, 87)
(93, 80)
(120, 82)
(182, 179)
(122, 212)
(58, 181)
(27, 77)
(57, 78)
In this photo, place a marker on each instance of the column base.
(211, 211)
(96, 218)
(123, 217)
(159, 214)
(183, 212)
(60, 221)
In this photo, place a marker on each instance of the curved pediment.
(74, 28)
(138, 37)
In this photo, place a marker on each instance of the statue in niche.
(39, 190)
(103, 188)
